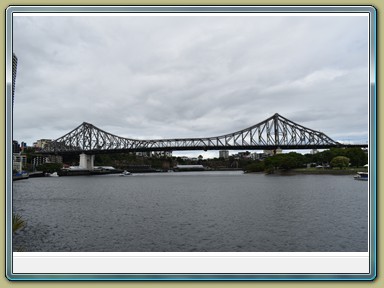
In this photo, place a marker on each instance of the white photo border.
(368, 259)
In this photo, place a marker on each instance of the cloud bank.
(197, 76)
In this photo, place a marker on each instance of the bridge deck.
(272, 133)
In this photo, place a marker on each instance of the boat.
(54, 174)
(363, 176)
(20, 176)
(125, 173)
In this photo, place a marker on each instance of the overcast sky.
(190, 76)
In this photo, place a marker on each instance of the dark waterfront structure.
(14, 72)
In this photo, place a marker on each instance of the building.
(54, 159)
(244, 155)
(15, 147)
(224, 154)
(19, 161)
(259, 156)
(37, 161)
(23, 146)
(157, 154)
(273, 152)
(41, 143)
(160, 154)
(143, 154)
(40, 160)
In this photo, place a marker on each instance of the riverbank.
(317, 171)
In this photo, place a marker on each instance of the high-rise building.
(23, 146)
(15, 147)
(14, 72)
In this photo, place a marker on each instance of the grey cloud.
(170, 77)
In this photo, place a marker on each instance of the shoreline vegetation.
(350, 171)
(313, 171)
(335, 161)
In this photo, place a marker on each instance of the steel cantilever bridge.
(272, 133)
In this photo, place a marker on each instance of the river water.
(192, 211)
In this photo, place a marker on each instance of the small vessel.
(20, 175)
(361, 176)
(54, 174)
(125, 173)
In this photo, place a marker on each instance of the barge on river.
(363, 176)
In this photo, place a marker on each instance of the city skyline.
(155, 77)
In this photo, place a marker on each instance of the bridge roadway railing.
(200, 148)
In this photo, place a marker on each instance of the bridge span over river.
(275, 132)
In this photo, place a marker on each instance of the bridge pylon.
(87, 161)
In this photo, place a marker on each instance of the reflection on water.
(193, 211)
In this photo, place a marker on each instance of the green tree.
(257, 166)
(357, 156)
(325, 156)
(285, 161)
(50, 167)
(340, 161)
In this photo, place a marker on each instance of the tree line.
(352, 157)
(332, 158)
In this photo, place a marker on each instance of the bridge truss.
(272, 133)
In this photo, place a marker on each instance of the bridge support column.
(87, 161)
